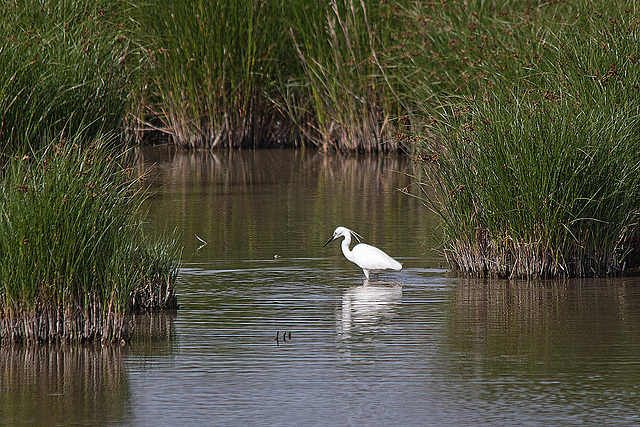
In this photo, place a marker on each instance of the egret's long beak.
(329, 241)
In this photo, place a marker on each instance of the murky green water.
(415, 348)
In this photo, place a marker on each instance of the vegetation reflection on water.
(414, 348)
(256, 204)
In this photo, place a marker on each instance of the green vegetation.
(75, 259)
(64, 67)
(341, 98)
(524, 113)
(215, 65)
(536, 168)
(263, 74)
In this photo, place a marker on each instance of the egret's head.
(342, 232)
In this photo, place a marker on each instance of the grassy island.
(535, 166)
(75, 260)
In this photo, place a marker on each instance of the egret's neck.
(345, 248)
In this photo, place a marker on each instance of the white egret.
(369, 258)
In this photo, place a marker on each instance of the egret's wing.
(371, 258)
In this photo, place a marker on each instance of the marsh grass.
(64, 66)
(215, 63)
(548, 194)
(536, 170)
(261, 74)
(75, 260)
(342, 98)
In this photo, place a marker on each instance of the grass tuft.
(536, 171)
(215, 63)
(65, 66)
(75, 260)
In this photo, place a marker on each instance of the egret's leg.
(366, 273)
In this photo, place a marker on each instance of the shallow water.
(418, 347)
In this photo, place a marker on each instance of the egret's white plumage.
(369, 258)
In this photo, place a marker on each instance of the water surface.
(418, 347)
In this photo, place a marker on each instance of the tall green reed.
(216, 63)
(536, 170)
(544, 192)
(65, 65)
(249, 74)
(341, 98)
(74, 254)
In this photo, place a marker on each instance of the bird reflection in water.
(365, 308)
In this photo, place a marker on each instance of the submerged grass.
(75, 260)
